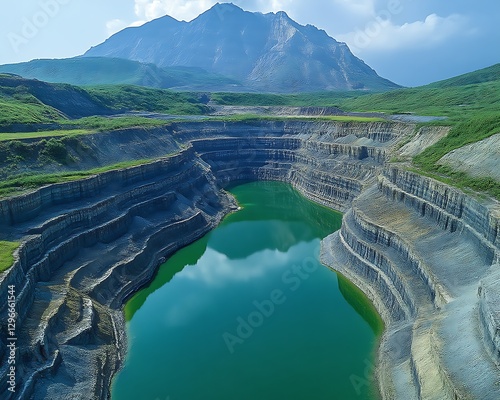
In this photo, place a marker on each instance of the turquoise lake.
(248, 313)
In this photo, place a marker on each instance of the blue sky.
(410, 42)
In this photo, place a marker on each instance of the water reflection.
(186, 256)
(360, 303)
(306, 345)
(262, 226)
(217, 270)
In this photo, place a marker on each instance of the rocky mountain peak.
(266, 52)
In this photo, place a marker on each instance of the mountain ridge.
(266, 52)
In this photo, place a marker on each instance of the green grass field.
(101, 124)
(43, 134)
(137, 98)
(320, 99)
(87, 126)
(7, 254)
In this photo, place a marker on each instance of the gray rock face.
(421, 250)
(87, 247)
(478, 159)
(268, 52)
(489, 293)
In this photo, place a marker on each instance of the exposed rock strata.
(88, 246)
(418, 248)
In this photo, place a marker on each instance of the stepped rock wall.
(88, 245)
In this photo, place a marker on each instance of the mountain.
(110, 71)
(267, 52)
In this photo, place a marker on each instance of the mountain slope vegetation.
(27, 101)
(90, 71)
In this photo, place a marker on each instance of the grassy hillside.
(15, 111)
(6, 254)
(490, 74)
(137, 98)
(25, 101)
(320, 99)
(455, 102)
(89, 71)
(44, 102)
(469, 130)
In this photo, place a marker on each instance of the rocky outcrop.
(84, 152)
(489, 295)
(272, 53)
(421, 250)
(88, 246)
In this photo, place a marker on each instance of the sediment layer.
(422, 251)
(88, 246)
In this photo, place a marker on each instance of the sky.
(411, 42)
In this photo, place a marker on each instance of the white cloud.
(115, 25)
(381, 34)
(190, 9)
(266, 6)
(179, 9)
(339, 13)
(215, 269)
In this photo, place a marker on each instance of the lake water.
(248, 313)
